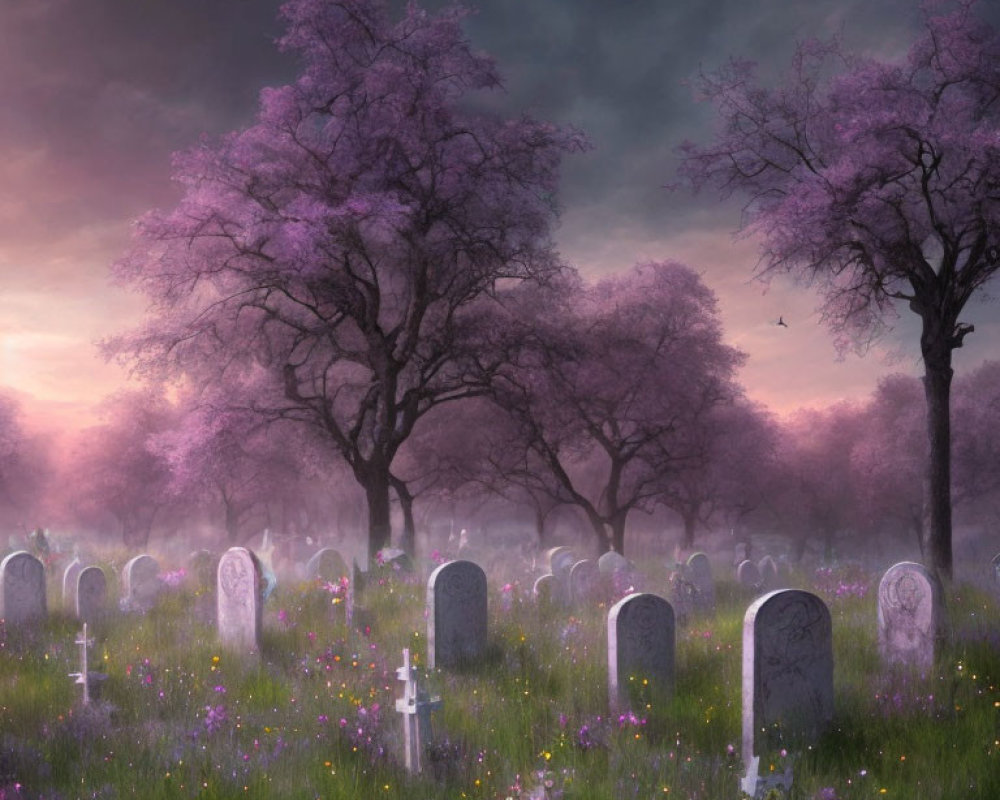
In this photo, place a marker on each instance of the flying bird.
(781, 322)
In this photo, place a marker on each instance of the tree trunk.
(376, 484)
(618, 533)
(937, 497)
(408, 540)
(690, 521)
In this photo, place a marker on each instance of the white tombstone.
(640, 646)
(238, 600)
(140, 583)
(584, 581)
(748, 575)
(456, 614)
(70, 574)
(699, 572)
(22, 588)
(787, 675)
(90, 594)
(909, 616)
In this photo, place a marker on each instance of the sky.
(96, 96)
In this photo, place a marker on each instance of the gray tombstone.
(22, 588)
(909, 616)
(584, 581)
(70, 575)
(699, 573)
(611, 563)
(140, 583)
(641, 638)
(91, 594)
(741, 553)
(456, 614)
(328, 565)
(768, 570)
(545, 589)
(787, 672)
(560, 560)
(238, 600)
(748, 575)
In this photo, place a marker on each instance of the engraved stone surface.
(140, 583)
(70, 575)
(699, 574)
(787, 671)
(748, 574)
(22, 588)
(909, 616)
(640, 646)
(238, 600)
(584, 581)
(328, 565)
(91, 593)
(456, 614)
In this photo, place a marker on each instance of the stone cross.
(82, 676)
(416, 706)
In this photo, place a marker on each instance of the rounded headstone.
(909, 616)
(70, 574)
(748, 574)
(22, 588)
(238, 600)
(545, 589)
(140, 583)
(328, 565)
(611, 562)
(641, 636)
(787, 671)
(584, 581)
(456, 614)
(91, 594)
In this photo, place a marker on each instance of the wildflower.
(215, 718)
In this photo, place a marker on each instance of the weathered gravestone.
(238, 600)
(22, 588)
(611, 562)
(70, 574)
(584, 581)
(91, 593)
(699, 573)
(768, 569)
(787, 675)
(140, 583)
(741, 553)
(909, 616)
(995, 564)
(456, 614)
(545, 589)
(617, 574)
(327, 565)
(748, 575)
(560, 560)
(640, 647)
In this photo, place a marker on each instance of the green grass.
(314, 715)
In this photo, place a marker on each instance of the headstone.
(395, 559)
(909, 616)
(640, 647)
(748, 575)
(699, 572)
(682, 596)
(140, 583)
(328, 565)
(611, 562)
(560, 560)
(741, 552)
(22, 588)
(995, 563)
(456, 614)
(545, 589)
(238, 600)
(787, 675)
(584, 581)
(69, 584)
(768, 570)
(91, 593)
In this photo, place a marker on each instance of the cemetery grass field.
(314, 715)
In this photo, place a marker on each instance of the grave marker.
(140, 583)
(239, 600)
(748, 575)
(416, 706)
(787, 675)
(328, 565)
(456, 614)
(768, 570)
(699, 572)
(584, 578)
(545, 589)
(909, 616)
(91, 593)
(22, 588)
(640, 646)
(69, 584)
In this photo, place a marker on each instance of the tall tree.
(341, 239)
(606, 385)
(878, 185)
